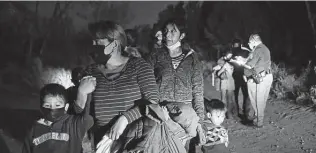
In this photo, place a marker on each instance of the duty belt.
(262, 74)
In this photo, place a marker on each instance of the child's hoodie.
(62, 136)
(215, 134)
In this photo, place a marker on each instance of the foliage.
(172, 11)
(193, 13)
(105, 10)
(31, 78)
(228, 20)
(144, 38)
(287, 85)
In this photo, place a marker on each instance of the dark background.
(60, 28)
(34, 35)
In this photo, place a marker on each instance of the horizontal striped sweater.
(112, 97)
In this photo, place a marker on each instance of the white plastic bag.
(104, 145)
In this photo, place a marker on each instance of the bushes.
(288, 85)
(57, 75)
(28, 79)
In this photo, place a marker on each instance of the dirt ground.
(288, 128)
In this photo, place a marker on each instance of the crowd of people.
(128, 102)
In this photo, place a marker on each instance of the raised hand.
(87, 85)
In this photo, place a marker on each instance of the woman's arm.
(148, 89)
(198, 88)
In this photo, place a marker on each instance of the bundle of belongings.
(165, 129)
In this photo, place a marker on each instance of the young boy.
(216, 134)
(57, 132)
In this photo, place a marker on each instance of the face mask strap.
(174, 46)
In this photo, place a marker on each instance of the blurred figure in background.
(224, 71)
(157, 36)
(132, 48)
(244, 108)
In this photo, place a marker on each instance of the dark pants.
(191, 144)
(229, 100)
(245, 108)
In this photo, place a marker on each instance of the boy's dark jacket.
(62, 136)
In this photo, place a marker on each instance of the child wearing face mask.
(216, 134)
(57, 132)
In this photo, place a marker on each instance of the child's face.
(216, 116)
(54, 102)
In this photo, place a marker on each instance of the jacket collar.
(49, 123)
(187, 52)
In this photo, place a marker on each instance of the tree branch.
(311, 20)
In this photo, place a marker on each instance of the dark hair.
(156, 27)
(109, 30)
(77, 74)
(236, 40)
(214, 104)
(53, 89)
(131, 36)
(179, 22)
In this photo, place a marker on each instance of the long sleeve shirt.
(113, 97)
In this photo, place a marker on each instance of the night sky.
(144, 12)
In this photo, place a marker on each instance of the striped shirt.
(112, 97)
(177, 60)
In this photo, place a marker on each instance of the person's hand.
(202, 137)
(216, 68)
(87, 85)
(239, 60)
(228, 56)
(118, 128)
(165, 112)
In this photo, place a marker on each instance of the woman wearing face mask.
(178, 70)
(121, 80)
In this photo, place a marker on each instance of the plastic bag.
(104, 145)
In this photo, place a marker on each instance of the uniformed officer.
(258, 76)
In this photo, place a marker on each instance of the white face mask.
(174, 46)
